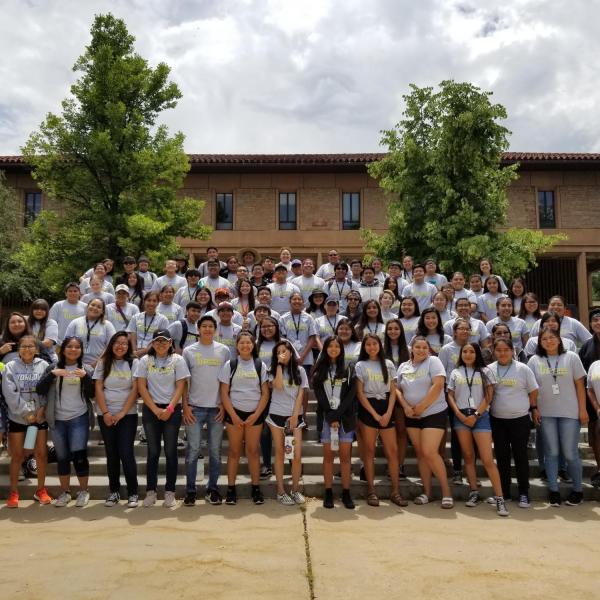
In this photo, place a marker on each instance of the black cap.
(162, 333)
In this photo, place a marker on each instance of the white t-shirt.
(245, 387)
(63, 312)
(95, 336)
(162, 375)
(471, 396)
(204, 362)
(570, 328)
(283, 401)
(423, 293)
(514, 383)
(177, 282)
(517, 328)
(371, 375)
(117, 385)
(144, 326)
(415, 381)
(593, 378)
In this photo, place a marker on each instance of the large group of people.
(233, 347)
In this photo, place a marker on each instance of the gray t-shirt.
(245, 390)
(434, 341)
(478, 334)
(593, 378)
(532, 344)
(514, 383)
(306, 285)
(280, 296)
(113, 314)
(63, 312)
(326, 325)
(204, 362)
(369, 372)
(70, 404)
(570, 328)
(568, 368)
(177, 282)
(473, 396)
(517, 328)
(95, 336)
(340, 290)
(107, 286)
(351, 353)
(51, 333)
(486, 305)
(173, 312)
(415, 381)
(282, 401)
(144, 326)
(410, 327)
(449, 355)
(149, 278)
(117, 385)
(227, 335)
(215, 284)
(104, 296)
(297, 329)
(176, 331)
(423, 293)
(161, 374)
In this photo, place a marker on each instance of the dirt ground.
(261, 552)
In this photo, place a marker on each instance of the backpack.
(233, 365)
(184, 333)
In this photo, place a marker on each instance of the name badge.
(555, 389)
(297, 345)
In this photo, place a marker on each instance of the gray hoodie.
(19, 381)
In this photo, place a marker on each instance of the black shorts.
(592, 414)
(14, 427)
(437, 420)
(281, 421)
(380, 407)
(243, 415)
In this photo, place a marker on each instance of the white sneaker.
(63, 499)
(170, 501)
(150, 499)
(298, 498)
(132, 501)
(285, 499)
(83, 497)
(112, 499)
(501, 508)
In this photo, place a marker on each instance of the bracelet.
(105, 413)
(533, 407)
(170, 409)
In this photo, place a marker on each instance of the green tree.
(113, 169)
(448, 190)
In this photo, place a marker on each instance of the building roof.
(352, 162)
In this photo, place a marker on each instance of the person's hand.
(384, 419)
(293, 422)
(59, 372)
(118, 417)
(584, 418)
(537, 418)
(470, 421)
(236, 421)
(79, 373)
(417, 410)
(40, 415)
(30, 418)
(251, 420)
(409, 412)
(7, 347)
(164, 415)
(188, 415)
(220, 414)
(108, 419)
(335, 425)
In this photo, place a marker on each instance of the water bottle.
(200, 476)
(289, 444)
(30, 437)
(335, 439)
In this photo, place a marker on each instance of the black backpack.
(184, 333)
(233, 365)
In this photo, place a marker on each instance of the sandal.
(422, 499)
(372, 499)
(398, 500)
(447, 502)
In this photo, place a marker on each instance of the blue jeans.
(70, 442)
(540, 451)
(192, 452)
(561, 433)
(168, 431)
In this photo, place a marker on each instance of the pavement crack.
(310, 578)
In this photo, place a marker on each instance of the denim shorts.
(344, 436)
(71, 436)
(481, 425)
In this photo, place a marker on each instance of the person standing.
(65, 311)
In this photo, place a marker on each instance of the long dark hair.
(292, 367)
(39, 304)
(348, 322)
(276, 337)
(312, 307)
(364, 319)
(320, 371)
(402, 346)
(62, 361)
(138, 288)
(486, 288)
(251, 301)
(108, 357)
(540, 351)
(211, 304)
(422, 328)
(7, 336)
(523, 313)
(386, 284)
(478, 365)
(380, 355)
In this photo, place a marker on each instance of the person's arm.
(262, 404)
(385, 418)
(437, 385)
(362, 398)
(535, 412)
(580, 390)
(277, 382)
(451, 400)
(107, 417)
(308, 348)
(228, 406)
(12, 396)
(297, 407)
(593, 400)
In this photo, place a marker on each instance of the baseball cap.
(162, 333)
(122, 288)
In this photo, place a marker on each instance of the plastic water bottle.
(289, 444)
(335, 439)
(30, 437)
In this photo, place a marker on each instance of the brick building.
(312, 203)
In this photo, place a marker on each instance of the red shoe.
(13, 500)
(42, 496)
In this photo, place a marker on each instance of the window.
(287, 210)
(33, 206)
(225, 211)
(350, 210)
(546, 210)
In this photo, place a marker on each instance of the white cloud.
(318, 75)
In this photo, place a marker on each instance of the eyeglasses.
(28, 347)
(267, 327)
(162, 341)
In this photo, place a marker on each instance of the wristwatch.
(477, 414)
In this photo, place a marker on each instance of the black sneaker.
(595, 479)
(231, 496)
(554, 498)
(328, 500)
(265, 472)
(190, 499)
(564, 476)
(362, 475)
(402, 473)
(543, 475)
(347, 500)
(257, 496)
(574, 499)
(213, 497)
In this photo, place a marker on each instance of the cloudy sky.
(319, 75)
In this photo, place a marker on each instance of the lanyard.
(297, 326)
(500, 377)
(553, 372)
(340, 292)
(148, 325)
(120, 311)
(470, 383)
(190, 293)
(372, 330)
(89, 329)
(330, 325)
(332, 373)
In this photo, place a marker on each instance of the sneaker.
(13, 500)
(257, 496)
(63, 499)
(42, 496)
(574, 499)
(22, 476)
(112, 499)
(347, 500)
(524, 501)
(501, 508)
(31, 468)
(595, 479)
(150, 499)
(213, 497)
(297, 497)
(554, 498)
(285, 499)
(564, 476)
(362, 475)
(474, 499)
(328, 499)
(180, 443)
(543, 475)
(231, 496)
(83, 497)
(190, 499)
(142, 436)
(402, 473)
(457, 478)
(170, 501)
(265, 472)
(133, 501)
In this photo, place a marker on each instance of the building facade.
(312, 203)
